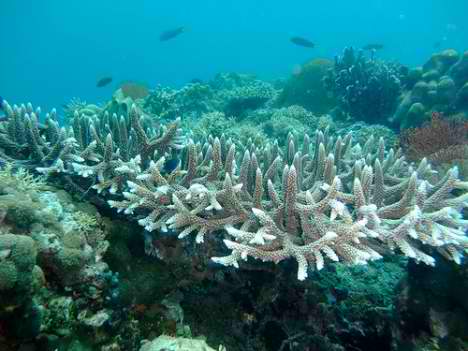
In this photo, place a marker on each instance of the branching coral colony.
(328, 200)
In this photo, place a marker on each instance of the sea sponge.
(306, 88)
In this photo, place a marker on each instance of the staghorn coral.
(22, 141)
(325, 200)
(79, 107)
(136, 144)
(107, 146)
(337, 201)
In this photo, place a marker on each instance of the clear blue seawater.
(54, 50)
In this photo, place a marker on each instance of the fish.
(103, 82)
(373, 47)
(171, 33)
(1, 103)
(437, 44)
(170, 164)
(299, 41)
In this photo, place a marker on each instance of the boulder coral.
(305, 88)
(440, 85)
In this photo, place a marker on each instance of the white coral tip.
(329, 236)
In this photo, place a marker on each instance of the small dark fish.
(302, 42)
(437, 44)
(103, 82)
(373, 47)
(196, 80)
(171, 34)
(170, 165)
(1, 103)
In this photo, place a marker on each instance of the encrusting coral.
(327, 200)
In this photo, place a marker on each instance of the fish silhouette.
(103, 82)
(299, 41)
(171, 33)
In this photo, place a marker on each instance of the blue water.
(55, 50)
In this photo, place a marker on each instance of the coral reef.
(240, 100)
(267, 206)
(165, 342)
(442, 140)
(334, 200)
(432, 307)
(17, 265)
(306, 88)
(366, 89)
(45, 240)
(190, 101)
(134, 90)
(440, 85)
(308, 216)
